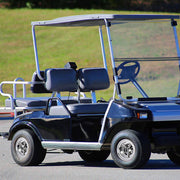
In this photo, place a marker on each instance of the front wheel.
(94, 156)
(26, 149)
(130, 149)
(174, 155)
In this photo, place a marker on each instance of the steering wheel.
(129, 71)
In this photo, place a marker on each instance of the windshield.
(146, 58)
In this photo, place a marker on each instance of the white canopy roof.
(98, 19)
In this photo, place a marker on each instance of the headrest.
(93, 79)
(38, 88)
(61, 79)
(71, 65)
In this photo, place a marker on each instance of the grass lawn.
(56, 47)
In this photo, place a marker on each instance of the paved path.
(64, 166)
(5, 125)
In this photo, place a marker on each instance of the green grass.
(155, 88)
(56, 46)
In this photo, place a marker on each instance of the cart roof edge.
(98, 19)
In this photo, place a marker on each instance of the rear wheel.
(94, 156)
(130, 149)
(174, 155)
(26, 149)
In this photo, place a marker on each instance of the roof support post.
(102, 47)
(36, 53)
(107, 24)
(174, 24)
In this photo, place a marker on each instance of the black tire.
(130, 149)
(174, 155)
(94, 156)
(26, 149)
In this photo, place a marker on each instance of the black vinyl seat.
(38, 88)
(88, 78)
(84, 108)
(92, 79)
(28, 102)
(32, 102)
(61, 80)
(79, 109)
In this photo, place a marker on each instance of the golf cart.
(143, 115)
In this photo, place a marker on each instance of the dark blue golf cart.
(143, 115)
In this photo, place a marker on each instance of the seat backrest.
(91, 79)
(38, 88)
(62, 79)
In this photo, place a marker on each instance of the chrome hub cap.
(125, 150)
(22, 147)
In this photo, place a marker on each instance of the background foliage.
(56, 47)
(140, 5)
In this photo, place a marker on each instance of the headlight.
(142, 115)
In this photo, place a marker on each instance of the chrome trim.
(114, 92)
(24, 83)
(95, 146)
(14, 87)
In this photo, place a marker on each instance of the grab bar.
(14, 87)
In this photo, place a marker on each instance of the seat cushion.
(42, 101)
(96, 108)
(28, 102)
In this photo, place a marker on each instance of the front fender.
(23, 124)
(120, 117)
